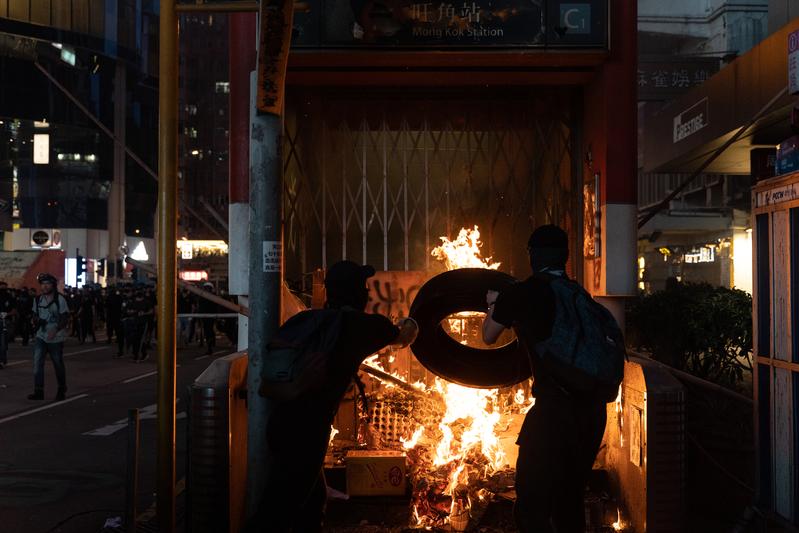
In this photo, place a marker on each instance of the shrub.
(697, 328)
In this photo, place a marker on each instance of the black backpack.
(586, 352)
(296, 361)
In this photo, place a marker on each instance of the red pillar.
(611, 135)
(242, 62)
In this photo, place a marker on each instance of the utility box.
(376, 473)
(217, 470)
(775, 288)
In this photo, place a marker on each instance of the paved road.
(67, 459)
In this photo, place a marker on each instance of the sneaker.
(144, 358)
(39, 395)
(60, 395)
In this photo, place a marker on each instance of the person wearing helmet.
(51, 316)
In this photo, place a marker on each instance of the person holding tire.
(561, 435)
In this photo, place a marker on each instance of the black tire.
(452, 292)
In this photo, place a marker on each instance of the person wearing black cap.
(51, 313)
(298, 430)
(561, 435)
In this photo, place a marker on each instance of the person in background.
(206, 306)
(86, 316)
(8, 308)
(24, 305)
(113, 319)
(51, 313)
(183, 308)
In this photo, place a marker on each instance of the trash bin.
(217, 447)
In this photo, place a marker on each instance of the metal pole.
(132, 484)
(167, 261)
(266, 230)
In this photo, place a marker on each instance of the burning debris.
(452, 435)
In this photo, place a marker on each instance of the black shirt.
(529, 307)
(307, 419)
(7, 301)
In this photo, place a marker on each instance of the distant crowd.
(127, 314)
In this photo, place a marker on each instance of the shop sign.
(705, 254)
(40, 238)
(193, 275)
(777, 195)
(664, 79)
(452, 23)
(691, 120)
(793, 62)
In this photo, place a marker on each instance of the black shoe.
(38, 395)
(143, 358)
(60, 395)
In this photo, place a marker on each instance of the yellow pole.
(167, 261)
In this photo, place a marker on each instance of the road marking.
(149, 412)
(137, 378)
(42, 408)
(23, 361)
(202, 357)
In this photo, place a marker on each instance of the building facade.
(61, 170)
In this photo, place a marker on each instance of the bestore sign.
(691, 120)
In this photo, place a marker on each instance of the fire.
(463, 252)
(618, 525)
(456, 456)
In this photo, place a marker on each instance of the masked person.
(7, 310)
(298, 430)
(561, 435)
(51, 313)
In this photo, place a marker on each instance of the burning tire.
(453, 292)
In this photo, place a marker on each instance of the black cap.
(548, 236)
(348, 273)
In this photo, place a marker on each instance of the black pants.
(557, 447)
(114, 327)
(209, 334)
(295, 496)
(24, 328)
(87, 328)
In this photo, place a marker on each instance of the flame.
(463, 252)
(333, 433)
(410, 444)
(618, 525)
(519, 397)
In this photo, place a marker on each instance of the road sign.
(793, 62)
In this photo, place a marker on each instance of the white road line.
(202, 357)
(42, 408)
(149, 412)
(23, 361)
(137, 378)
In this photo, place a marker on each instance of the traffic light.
(80, 261)
(101, 267)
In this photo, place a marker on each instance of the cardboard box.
(376, 473)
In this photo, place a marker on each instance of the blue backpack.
(586, 352)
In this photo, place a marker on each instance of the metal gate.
(378, 177)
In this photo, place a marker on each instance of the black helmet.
(44, 277)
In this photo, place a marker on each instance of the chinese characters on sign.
(273, 256)
(447, 23)
(665, 79)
